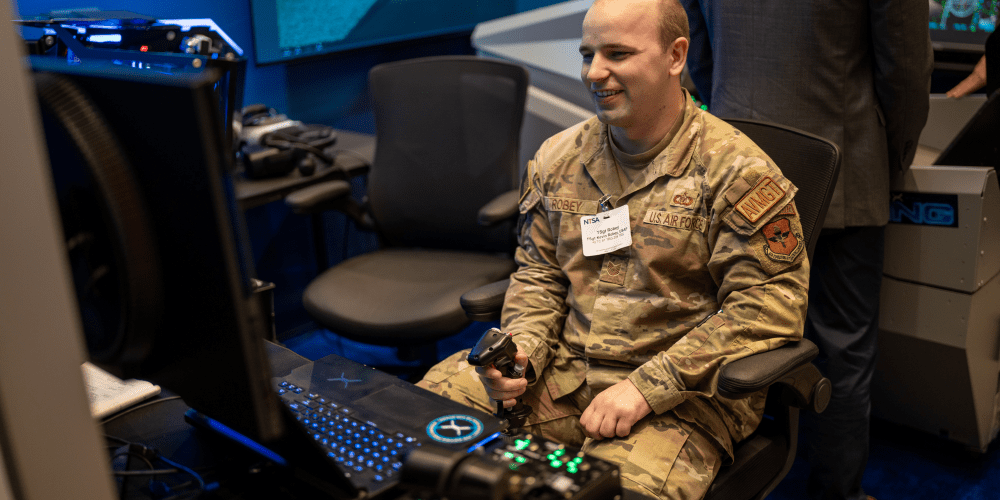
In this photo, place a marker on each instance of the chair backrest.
(447, 132)
(809, 161)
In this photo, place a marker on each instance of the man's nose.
(597, 70)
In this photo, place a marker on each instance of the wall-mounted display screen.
(286, 30)
(962, 24)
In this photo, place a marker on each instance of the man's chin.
(610, 118)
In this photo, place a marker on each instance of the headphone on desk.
(283, 145)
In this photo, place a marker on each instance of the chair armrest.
(330, 195)
(318, 197)
(499, 209)
(788, 365)
(486, 302)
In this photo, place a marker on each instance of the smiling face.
(633, 79)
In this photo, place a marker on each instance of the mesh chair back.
(447, 131)
(809, 161)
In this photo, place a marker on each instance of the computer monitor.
(962, 25)
(976, 144)
(284, 30)
(129, 39)
(156, 244)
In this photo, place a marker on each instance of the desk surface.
(355, 150)
(233, 472)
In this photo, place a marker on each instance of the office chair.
(447, 133)
(762, 460)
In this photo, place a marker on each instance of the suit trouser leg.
(842, 320)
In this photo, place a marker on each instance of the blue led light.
(221, 428)
(104, 38)
(483, 442)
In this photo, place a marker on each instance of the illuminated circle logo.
(454, 428)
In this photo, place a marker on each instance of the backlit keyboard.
(369, 456)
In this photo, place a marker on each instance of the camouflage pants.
(662, 457)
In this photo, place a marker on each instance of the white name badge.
(606, 232)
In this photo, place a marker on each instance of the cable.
(139, 455)
(135, 408)
(148, 455)
(120, 440)
(151, 472)
(195, 475)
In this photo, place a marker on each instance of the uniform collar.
(597, 157)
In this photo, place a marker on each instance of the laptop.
(365, 421)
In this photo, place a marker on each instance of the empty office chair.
(793, 382)
(447, 132)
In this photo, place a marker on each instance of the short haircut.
(673, 23)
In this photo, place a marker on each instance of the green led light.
(550, 456)
(521, 444)
(555, 464)
(520, 460)
(512, 466)
(704, 107)
(508, 455)
(560, 452)
(571, 469)
(577, 460)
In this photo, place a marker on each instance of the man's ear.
(678, 55)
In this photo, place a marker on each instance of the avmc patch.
(453, 429)
(761, 198)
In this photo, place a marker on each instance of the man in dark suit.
(857, 73)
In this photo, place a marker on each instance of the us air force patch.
(779, 242)
(683, 220)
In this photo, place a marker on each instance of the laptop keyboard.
(369, 456)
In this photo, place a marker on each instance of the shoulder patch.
(789, 209)
(779, 243)
(759, 199)
(783, 243)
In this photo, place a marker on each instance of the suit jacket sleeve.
(903, 64)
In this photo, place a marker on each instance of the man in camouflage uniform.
(657, 243)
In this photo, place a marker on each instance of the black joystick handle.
(498, 349)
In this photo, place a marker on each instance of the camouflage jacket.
(716, 270)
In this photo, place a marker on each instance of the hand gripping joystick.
(498, 349)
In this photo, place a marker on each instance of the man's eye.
(618, 55)
(587, 57)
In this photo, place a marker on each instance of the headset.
(271, 145)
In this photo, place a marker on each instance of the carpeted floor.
(909, 464)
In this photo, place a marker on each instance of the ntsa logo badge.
(590, 220)
(925, 209)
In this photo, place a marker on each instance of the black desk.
(359, 152)
(233, 472)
